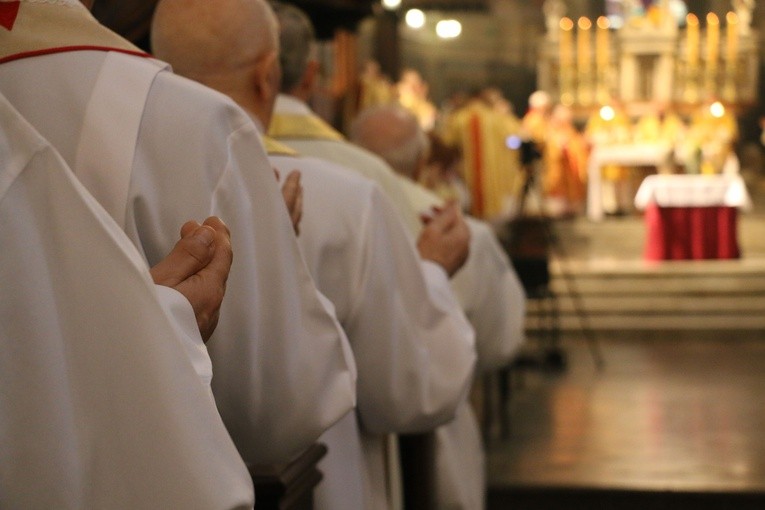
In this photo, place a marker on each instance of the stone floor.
(674, 420)
(670, 416)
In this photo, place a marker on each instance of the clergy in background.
(490, 162)
(489, 290)
(412, 344)
(155, 149)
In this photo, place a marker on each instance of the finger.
(188, 228)
(189, 256)
(217, 224)
(223, 255)
(446, 219)
(297, 213)
(291, 189)
(222, 258)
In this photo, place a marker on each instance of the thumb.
(189, 256)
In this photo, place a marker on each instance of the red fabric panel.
(691, 233)
(477, 184)
(8, 13)
(654, 228)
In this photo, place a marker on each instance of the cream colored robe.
(413, 346)
(487, 288)
(100, 406)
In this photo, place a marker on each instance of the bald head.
(394, 134)
(217, 42)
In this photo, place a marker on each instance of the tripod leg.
(576, 298)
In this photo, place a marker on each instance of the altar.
(653, 154)
(692, 217)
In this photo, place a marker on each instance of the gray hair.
(297, 39)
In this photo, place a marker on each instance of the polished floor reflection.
(671, 414)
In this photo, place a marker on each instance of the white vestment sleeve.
(492, 297)
(185, 323)
(413, 345)
(100, 407)
(416, 362)
(283, 372)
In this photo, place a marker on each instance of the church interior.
(616, 150)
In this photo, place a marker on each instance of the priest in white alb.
(489, 290)
(155, 150)
(412, 344)
(100, 407)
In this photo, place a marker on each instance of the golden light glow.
(391, 4)
(448, 28)
(603, 23)
(584, 23)
(607, 113)
(717, 110)
(415, 18)
(566, 24)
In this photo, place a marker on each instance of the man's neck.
(287, 103)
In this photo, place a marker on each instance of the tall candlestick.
(583, 44)
(602, 48)
(731, 38)
(713, 42)
(692, 40)
(566, 43)
(584, 60)
(566, 58)
(731, 56)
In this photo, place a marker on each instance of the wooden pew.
(289, 486)
(418, 460)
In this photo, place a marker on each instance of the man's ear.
(305, 87)
(310, 75)
(266, 78)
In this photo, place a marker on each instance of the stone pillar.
(387, 44)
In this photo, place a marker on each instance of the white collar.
(290, 105)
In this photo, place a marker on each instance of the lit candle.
(583, 45)
(731, 33)
(713, 42)
(566, 43)
(602, 49)
(692, 40)
(566, 57)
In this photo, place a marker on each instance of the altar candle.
(692, 40)
(731, 36)
(566, 44)
(713, 41)
(602, 49)
(583, 43)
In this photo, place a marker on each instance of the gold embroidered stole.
(311, 127)
(274, 148)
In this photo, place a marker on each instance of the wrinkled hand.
(292, 191)
(445, 239)
(198, 268)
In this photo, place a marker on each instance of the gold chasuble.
(491, 167)
(29, 28)
(274, 148)
(307, 127)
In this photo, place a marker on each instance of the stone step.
(632, 322)
(660, 304)
(632, 295)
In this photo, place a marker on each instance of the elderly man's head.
(297, 48)
(394, 134)
(229, 45)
